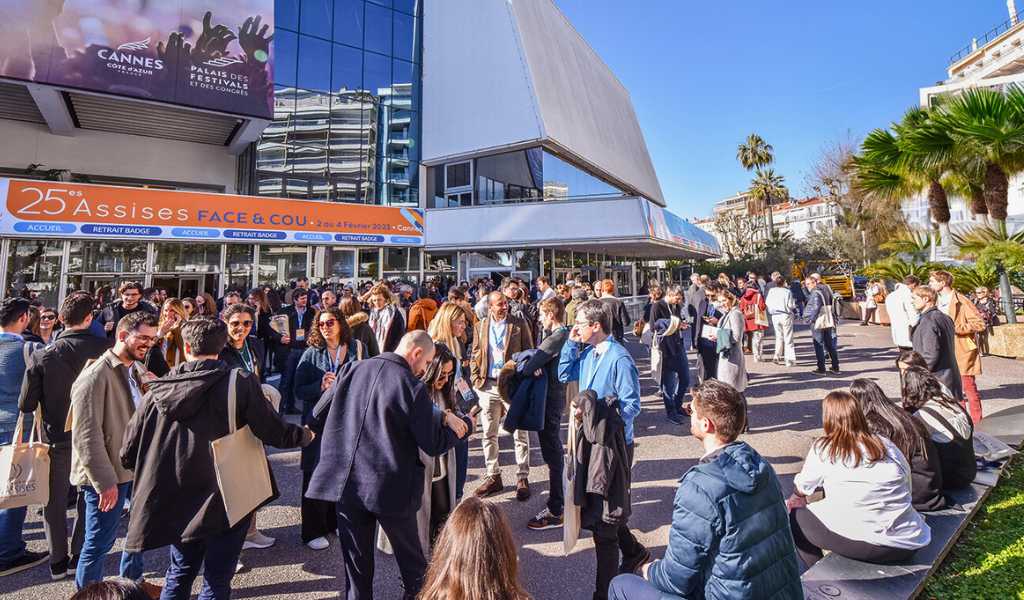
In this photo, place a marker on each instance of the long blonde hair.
(475, 557)
(440, 328)
(176, 306)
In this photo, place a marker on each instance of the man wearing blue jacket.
(599, 363)
(730, 537)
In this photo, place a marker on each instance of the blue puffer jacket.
(730, 537)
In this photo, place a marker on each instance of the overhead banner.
(201, 53)
(670, 227)
(72, 210)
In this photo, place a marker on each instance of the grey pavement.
(785, 417)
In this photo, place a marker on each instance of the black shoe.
(834, 371)
(632, 565)
(819, 371)
(72, 565)
(491, 486)
(59, 570)
(545, 520)
(522, 490)
(674, 419)
(27, 560)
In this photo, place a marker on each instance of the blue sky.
(801, 73)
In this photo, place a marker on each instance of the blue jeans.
(12, 520)
(633, 587)
(100, 533)
(461, 465)
(675, 381)
(218, 555)
(825, 341)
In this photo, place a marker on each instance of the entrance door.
(190, 286)
(495, 274)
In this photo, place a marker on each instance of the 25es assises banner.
(76, 210)
(203, 53)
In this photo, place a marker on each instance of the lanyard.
(499, 340)
(247, 359)
(335, 359)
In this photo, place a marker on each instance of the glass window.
(440, 262)
(382, 2)
(509, 176)
(457, 175)
(405, 84)
(238, 265)
(107, 257)
(397, 259)
(369, 263)
(286, 16)
(376, 73)
(377, 35)
(528, 260)
(315, 66)
(281, 264)
(348, 22)
(403, 45)
(347, 70)
(186, 258)
(411, 7)
(339, 263)
(315, 18)
(33, 270)
(285, 57)
(563, 180)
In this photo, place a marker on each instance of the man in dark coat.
(934, 338)
(300, 321)
(48, 379)
(375, 420)
(706, 317)
(131, 301)
(176, 500)
(616, 308)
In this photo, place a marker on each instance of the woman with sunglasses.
(48, 326)
(331, 346)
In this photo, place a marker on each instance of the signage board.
(73, 210)
(201, 53)
(667, 226)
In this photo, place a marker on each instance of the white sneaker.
(258, 541)
(319, 543)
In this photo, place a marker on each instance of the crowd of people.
(387, 383)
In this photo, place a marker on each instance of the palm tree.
(765, 189)
(754, 155)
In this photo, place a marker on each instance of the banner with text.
(201, 53)
(74, 210)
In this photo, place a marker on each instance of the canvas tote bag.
(826, 318)
(240, 461)
(571, 510)
(25, 467)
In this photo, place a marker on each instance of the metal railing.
(980, 42)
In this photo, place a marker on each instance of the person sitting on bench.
(948, 423)
(867, 513)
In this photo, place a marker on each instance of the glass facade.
(346, 103)
(529, 175)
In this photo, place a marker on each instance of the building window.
(458, 175)
(281, 264)
(33, 270)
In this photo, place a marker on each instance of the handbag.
(25, 467)
(825, 319)
(240, 462)
(760, 316)
(571, 510)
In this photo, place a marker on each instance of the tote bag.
(571, 510)
(25, 467)
(240, 461)
(826, 318)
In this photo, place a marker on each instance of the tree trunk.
(771, 221)
(1006, 295)
(938, 202)
(978, 206)
(996, 189)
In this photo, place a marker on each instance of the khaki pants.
(783, 325)
(492, 411)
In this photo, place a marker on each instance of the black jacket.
(375, 420)
(698, 320)
(49, 376)
(115, 311)
(602, 462)
(546, 357)
(934, 338)
(167, 444)
(619, 314)
(294, 324)
(233, 358)
(359, 323)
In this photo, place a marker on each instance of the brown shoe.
(151, 589)
(522, 490)
(492, 485)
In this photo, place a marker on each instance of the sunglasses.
(48, 318)
(328, 323)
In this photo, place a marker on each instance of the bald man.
(375, 419)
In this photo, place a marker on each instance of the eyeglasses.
(144, 339)
(328, 323)
(240, 323)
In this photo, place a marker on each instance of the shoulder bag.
(826, 319)
(25, 467)
(240, 461)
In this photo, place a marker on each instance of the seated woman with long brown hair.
(867, 513)
(475, 557)
(948, 424)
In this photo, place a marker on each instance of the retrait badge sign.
(73, 210)
(201, 53)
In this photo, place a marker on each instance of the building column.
(62, 286)
(4, 253)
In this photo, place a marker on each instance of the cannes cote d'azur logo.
(127, 60)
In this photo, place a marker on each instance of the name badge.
(462, 386)
(709, 333)
(300, 334)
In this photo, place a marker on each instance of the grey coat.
(732, 367)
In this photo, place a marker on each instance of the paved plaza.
(785, 418)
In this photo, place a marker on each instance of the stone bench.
(839, 578)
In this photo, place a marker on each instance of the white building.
(800, 218)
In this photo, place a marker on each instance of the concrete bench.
(839, 578)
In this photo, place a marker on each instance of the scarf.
(380, 322)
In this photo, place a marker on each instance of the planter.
(851, 310)
(1007, 340)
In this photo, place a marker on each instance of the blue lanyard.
(499, 340)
